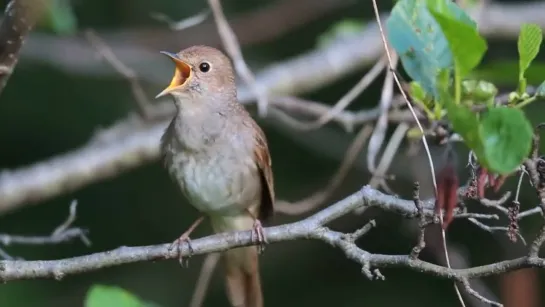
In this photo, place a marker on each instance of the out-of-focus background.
(62, 94)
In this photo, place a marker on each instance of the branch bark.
(312, 228)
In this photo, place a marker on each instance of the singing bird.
(219, 158)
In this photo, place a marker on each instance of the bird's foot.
(257, 230)
(184, 238)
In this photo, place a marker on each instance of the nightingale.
(219, 158)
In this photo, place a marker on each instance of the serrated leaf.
(507, 139)
(529, 42)
(464, 41)
(418, 40)
(109, 296)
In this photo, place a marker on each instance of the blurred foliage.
(108, 296)
(59, 18)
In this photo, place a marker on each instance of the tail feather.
(243, 282)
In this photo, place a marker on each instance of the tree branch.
(312, 228)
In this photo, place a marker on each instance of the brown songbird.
(219, 157)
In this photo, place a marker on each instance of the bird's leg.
(185, 238)
(257, 230)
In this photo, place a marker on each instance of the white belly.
(222, 185)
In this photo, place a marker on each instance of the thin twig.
(62, 233)
(388, 155)
(318, 198)
(492, 229)
(230, 42)
(184, 23)
(476, 294)
(144, 105)
(377, 138)
(347, 98)
(421, 244)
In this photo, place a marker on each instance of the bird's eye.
(204, 67)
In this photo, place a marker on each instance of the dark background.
(46, 110)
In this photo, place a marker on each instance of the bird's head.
(201, 72)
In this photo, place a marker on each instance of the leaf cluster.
(439, 46)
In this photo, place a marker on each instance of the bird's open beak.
(181, 74)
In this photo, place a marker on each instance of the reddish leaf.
(491, 180)
(447, 193)
(481, 180)
(500, 182)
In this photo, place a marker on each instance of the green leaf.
(418, 40)
(417, 92)
(464, 121)
(465, 43)
(507, 139)
(451, 9)
(109, 296)
(529, 42)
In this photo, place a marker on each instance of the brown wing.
(263, 161)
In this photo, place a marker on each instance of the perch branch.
(312, 228)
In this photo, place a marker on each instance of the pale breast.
(214, 182)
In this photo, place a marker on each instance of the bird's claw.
(184, 262)
(257, 230)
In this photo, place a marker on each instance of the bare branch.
(476, 294)
(232, 47)
(143, 104)
(347, 98)
(315, 200)
(184, 23)
(312, 228)
(63, 233)
(377, 138)
(421, 244)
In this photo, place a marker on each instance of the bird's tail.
(243, 282)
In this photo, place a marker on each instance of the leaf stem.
(526, 102)
(457, 84)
